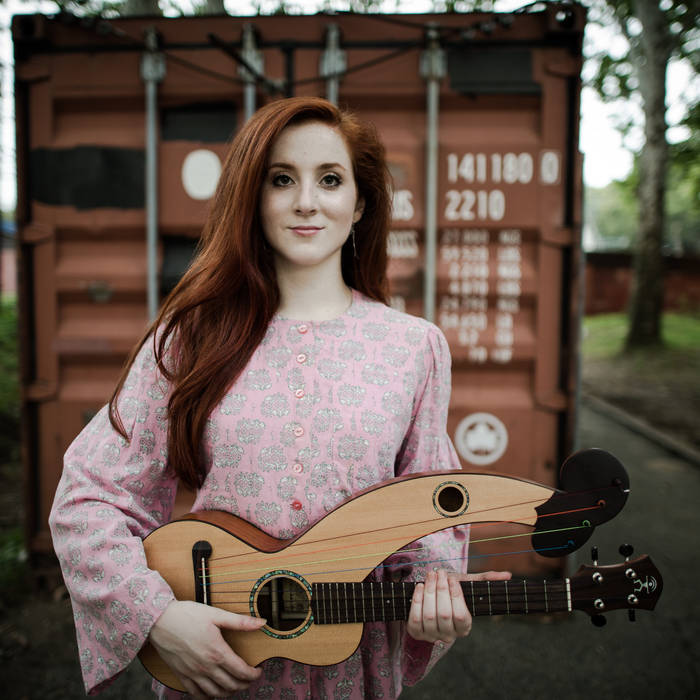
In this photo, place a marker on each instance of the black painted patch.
(492, 71)
(211, 122)
(88, 177)
(177, 256)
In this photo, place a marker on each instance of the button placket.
(298, 430)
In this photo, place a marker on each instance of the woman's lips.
(305, 230)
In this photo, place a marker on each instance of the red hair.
(219, 311)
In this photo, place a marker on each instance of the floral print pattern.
(324, 410)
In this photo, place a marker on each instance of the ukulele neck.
(337, 603)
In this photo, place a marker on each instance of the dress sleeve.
(112, 493)
(427, 446)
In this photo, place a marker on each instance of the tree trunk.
(646, 304)
(213, 7)
(140, 8)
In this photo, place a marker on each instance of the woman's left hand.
(438, 610)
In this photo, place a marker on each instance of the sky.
(605, 156)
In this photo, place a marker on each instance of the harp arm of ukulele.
(355, 537)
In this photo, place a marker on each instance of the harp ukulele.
(311, 589)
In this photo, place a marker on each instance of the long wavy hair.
(211, 323)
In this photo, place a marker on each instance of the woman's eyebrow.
(331, 166)
(283, 166)
(322, 166)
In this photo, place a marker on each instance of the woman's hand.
(438, 610)
(188, 638)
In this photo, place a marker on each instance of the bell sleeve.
(111, 494)
(427, 446)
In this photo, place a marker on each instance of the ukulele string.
(385, 566)
(432, 520)
(555, 496)
(425, 562)
(214, 571)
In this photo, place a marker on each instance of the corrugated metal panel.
(508, 207)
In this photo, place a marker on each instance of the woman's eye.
(281, 180)
(330, 180)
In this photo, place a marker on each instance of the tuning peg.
(631, 615)
(626, 551)
(594, 555)
(598, 620)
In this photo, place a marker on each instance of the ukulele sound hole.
(285, 602)
(451, 499)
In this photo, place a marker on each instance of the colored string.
(388, 565)
(265, 561)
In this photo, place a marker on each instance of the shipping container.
(121, 129)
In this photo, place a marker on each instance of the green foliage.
(613, 211)
(683, 200)
(9, 387)
(13, 566)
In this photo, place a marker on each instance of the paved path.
(658, 656)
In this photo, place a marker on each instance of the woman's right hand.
(188, 638)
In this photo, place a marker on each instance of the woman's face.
(309, 197)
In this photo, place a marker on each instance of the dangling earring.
(352, 234)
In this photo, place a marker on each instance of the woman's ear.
(359, 210)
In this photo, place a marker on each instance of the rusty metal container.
(479, 114)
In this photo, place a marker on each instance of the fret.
(345, 600)
(337, 597)
(318, 614)
(525, 592)
(546, 605)
(381, 595)
(507, 599)
(393, 601)
(354, 602)
(568, 594)
(471, 583)
(364, 614)
(488, 589)
(374, 617)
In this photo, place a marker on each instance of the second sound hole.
(451, 500)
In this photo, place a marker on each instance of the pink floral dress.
(323, 410)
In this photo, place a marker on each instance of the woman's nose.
(306, 198)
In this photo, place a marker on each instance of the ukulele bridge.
(201, 551)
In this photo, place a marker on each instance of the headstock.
(633, 584)
(594, 488)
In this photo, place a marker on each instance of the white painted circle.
(200, 173)
(481, 438)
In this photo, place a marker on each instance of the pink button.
(296, 505)
(299, 393)
(303, 328)
(298, 431)
(298, 467)
(301, 358)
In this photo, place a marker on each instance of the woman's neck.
(309, 296)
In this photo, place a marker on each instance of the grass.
(658, 384)
(604, 337)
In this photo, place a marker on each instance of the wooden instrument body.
(345, 545)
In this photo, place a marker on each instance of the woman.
(277, 383)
